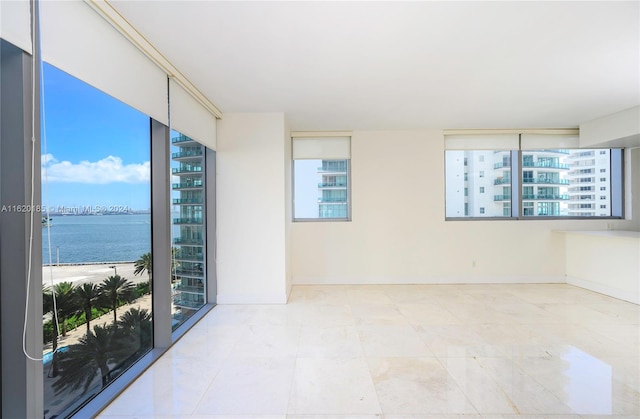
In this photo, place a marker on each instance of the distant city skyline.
(95, 149)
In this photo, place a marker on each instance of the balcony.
(179, 221)
(501, 164)
(332, 185)
(502, 197)
(181, 139)
(192, 273)
(189, 258)
(333, 168)
(187, 201)
(189, 289)
(187, 185)
(327, 200)
(186, 169)
(188, 242)
(545, 164)
(546, 181)
(196, 152)
(502, 181)
(558, 151)
(554, 197)
(185, 303)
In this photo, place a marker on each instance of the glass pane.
(478, 183)
(566, 182)
(188, 271)
(321, 189)
(96, 240)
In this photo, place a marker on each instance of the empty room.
(314, 210)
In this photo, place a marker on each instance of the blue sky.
(97, 148)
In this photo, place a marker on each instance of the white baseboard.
(604, 289)
(387, 280)
(251, 299)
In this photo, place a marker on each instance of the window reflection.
(188, 227)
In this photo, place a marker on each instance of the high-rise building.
(590, 178)
(188, 253)
(558, 182)
(544, 183)
(332, 190)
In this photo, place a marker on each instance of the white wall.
(398, 233)
(253, 153)
(607, 262)
(621, 129)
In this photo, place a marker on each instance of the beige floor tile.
(333, 386)
(417, 386)
(392, 340)
(250, 386)
(525, 351)
(169, 387)
(329, 342)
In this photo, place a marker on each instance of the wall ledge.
(603, 233)
(604, 289)
(395, 280)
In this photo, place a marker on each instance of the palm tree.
(93, 354)
(64, 307)
(47, 300)
(65, 302)
(47, 307)
(144, 264)
(88, 296)
(136, 328)
(116, 289)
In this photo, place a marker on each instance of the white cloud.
(47, 158)
(107, 170)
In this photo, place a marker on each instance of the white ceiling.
(404, 65)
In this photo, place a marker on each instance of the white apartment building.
(558, 182)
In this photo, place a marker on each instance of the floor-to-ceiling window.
(96, 247)
(87, 282)
(188, 227)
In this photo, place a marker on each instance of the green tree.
(47, 300)
(116, 290)
(61, 304)
(135, 326)
(65, 303)
(93, 354)
(143, 265)
(88, 296)
(47, 307)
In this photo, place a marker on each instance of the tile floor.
(402, 351)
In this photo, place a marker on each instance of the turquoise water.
(48, 357)
(97, 238)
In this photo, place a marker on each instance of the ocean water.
(97, 238)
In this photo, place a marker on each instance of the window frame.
(318, 219)
(616, 182)
(329, 135)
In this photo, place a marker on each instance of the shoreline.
(88, 263)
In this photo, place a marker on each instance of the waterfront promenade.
(96, 273)
(93, 272)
